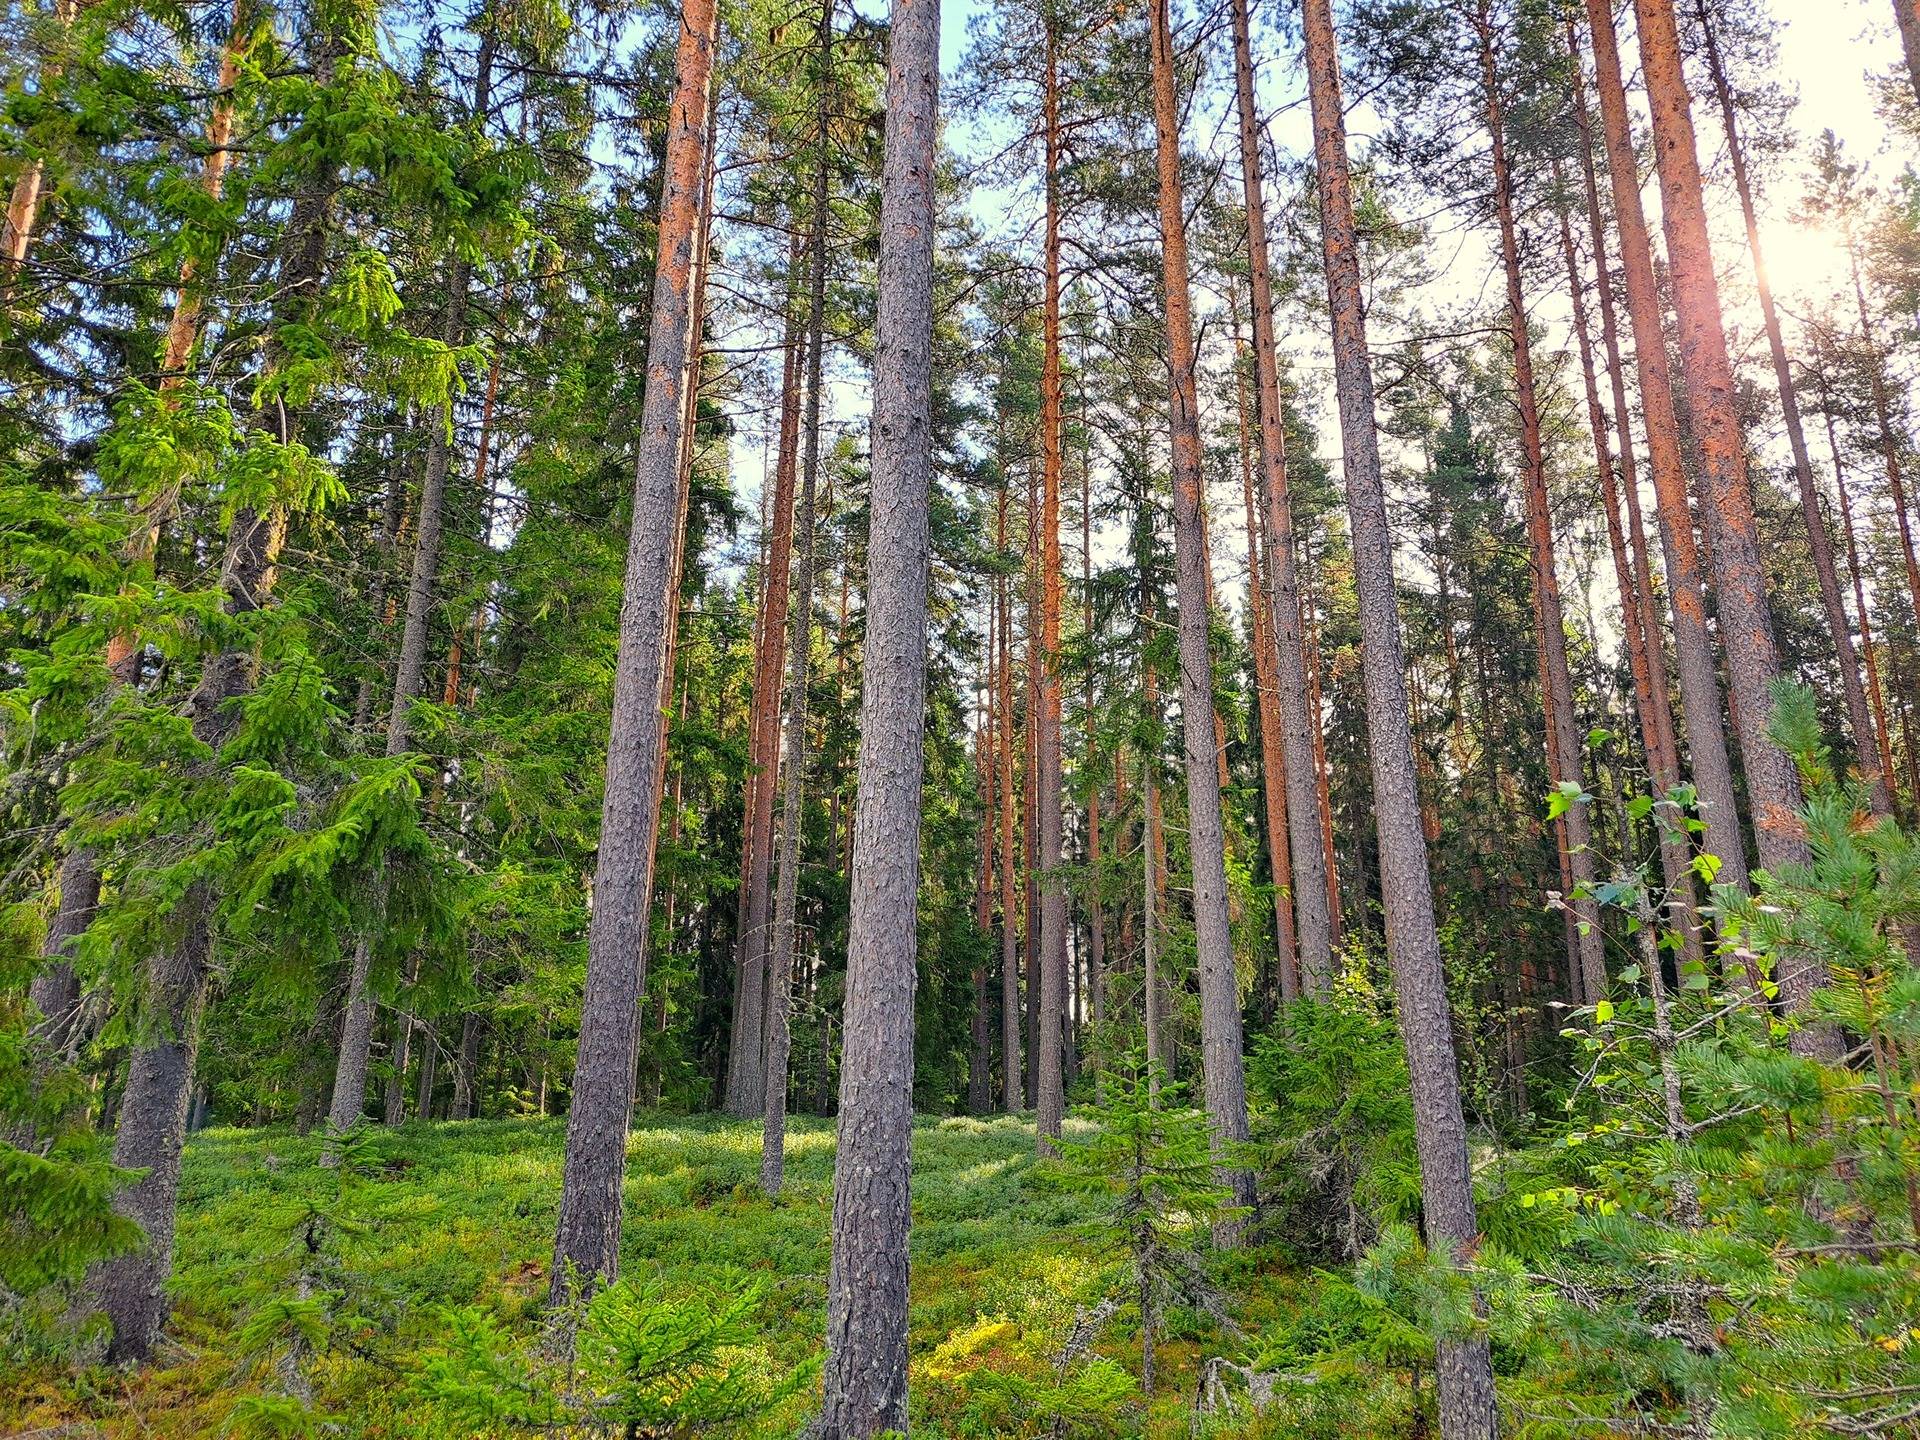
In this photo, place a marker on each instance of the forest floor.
(437, 1221)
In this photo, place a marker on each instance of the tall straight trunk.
(1686, 587)
(1305, 858)
(1273, 765)
(1322, 773)
(1009, 905)
(349, 1089)
(1663, 746)
(1634, 618)
(1876, 696)
(1819, 541)
(152, 1120)
(1556, 680)
(1153, 869)
(1050, 1101)
(793, 819)
(866, 1367)
(1096, 919)
(1464, 1369)
(587, 1237)
(746, 1077)
(1883, 418)
(980, 1061)
(1740, 596)
(1224, 1077)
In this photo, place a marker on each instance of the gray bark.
(587, 1237)
(866, 1368)
(1464, 1369)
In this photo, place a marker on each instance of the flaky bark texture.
(866, 1367)
(1686, 587)
(23, 204)
(793, 820)
(1312, 929)
(1464, 1370)
(1820, 543)
(1223, 1073)
(1746, 625)
(1906, 14)
(587, 1238)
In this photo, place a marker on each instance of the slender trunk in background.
(152, 1121)
(1223, 1074)
(1464, 1369)
(1693, 645)
(349, 1086)
(793, 820)
(1820, 542)
(1662, 738)
(587, 1237)
(1096, 919)
(1564, 764)
(980, 1064)
(745, 1075)
(1307, 880)
(1740, 595)
(1050, 1100)
(1883, 416)
(1876, 696)
(1322, 774)
(1273, 765)
(465, 1070)
(1010, 1058)
(866, 1367)
(1153, 1010)
(1634, 618)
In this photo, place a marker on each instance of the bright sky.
(1827, 50)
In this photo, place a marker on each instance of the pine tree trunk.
(1906, 14)
(1746, 625)
(1464, 1369)
(745, 1075)
(1876, 696)
(1564, 765)
(1096, 919)
(1819, 541)
(1693, 646)
(866, 1367)
(1674, 856)
(1050, 1101)
(466, 1070)
(1012, 1069)
(1223, 1074)
(23, 204)
(980, 1060)
(1308, 880)
(1889, 439)
(793, 821)
(587, 1238)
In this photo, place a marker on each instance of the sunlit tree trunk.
(1223, 1075)
(866, 1367)
(1859, 721)
(1464, 1369)
(1746, 626)
(587, 1237)
(1693, 646)
(23, 203)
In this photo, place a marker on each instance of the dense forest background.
(1283, 641)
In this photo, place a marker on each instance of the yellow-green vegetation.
(437, 1229)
